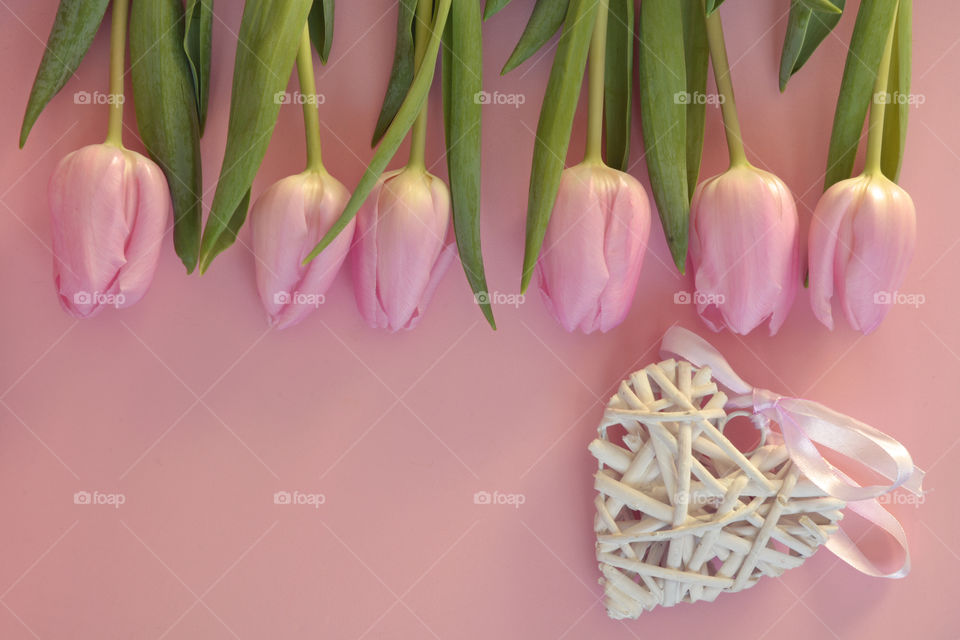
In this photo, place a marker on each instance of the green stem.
(598, 54)
(721, 74)
(118, 43)
(418, 135)
(308, 89)
(879, 106)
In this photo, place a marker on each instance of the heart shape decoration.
(683, 515)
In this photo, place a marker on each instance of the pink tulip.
(594, 247)
(744, 250)
(288, 221)
(861, 241)
(109, 211)
(401, 252)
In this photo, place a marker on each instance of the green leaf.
(73, 30)
(897, 112)
(824, 6)
(663, 114)
(546, 19)
(797, 26)
(712, 5)
(555, 125)
(197, 40)
(229, 235)
(493, 6)
(618, 83)
(697, 58)
(874, 20)
(396, 132)
(270, 33)
(167, 113)
(806, 29)
(401, 75)
(321, 27)
(463, 80)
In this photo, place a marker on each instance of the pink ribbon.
(803, 425)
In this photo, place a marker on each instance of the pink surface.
(197, 414)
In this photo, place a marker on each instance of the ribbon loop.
(804, 424)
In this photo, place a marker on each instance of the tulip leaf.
(711, 5)
(462, 81)
(321, 27)
(197, 41)
(555, 125)
(807, 27)
(897, 110)
(874, 20)
(415, 99)
(824, 6)
(618, 83)
(270, 33)
(74, 27)
(167, 113)
(663, 116)
(546, 19)
(229, 235)
(696, 58)
(493, 6)
(401, 74)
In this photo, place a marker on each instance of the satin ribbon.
(803, 424)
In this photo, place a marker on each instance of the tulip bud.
(288, 220)
(861, 241)
(401, 252)
(109, 212)
(594, 247)
(744, 250)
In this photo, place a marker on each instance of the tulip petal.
(883, 229)
(746, 250)
(87, 194)
(625, 243)
(444, 260)
(363, 258)
(288, 219)
(148, 219)
(413, 221)
(824, 238)
(572, 270)
(279, 231)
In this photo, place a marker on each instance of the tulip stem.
(721, 74)
(878, 107)
(598, 55)
(118, 43)
(308, 89)
(418, 135)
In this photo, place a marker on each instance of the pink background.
(188, 406)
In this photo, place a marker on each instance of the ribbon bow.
(803, 424)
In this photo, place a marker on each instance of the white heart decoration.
(682, 514)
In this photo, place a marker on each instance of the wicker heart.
(682, 514)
